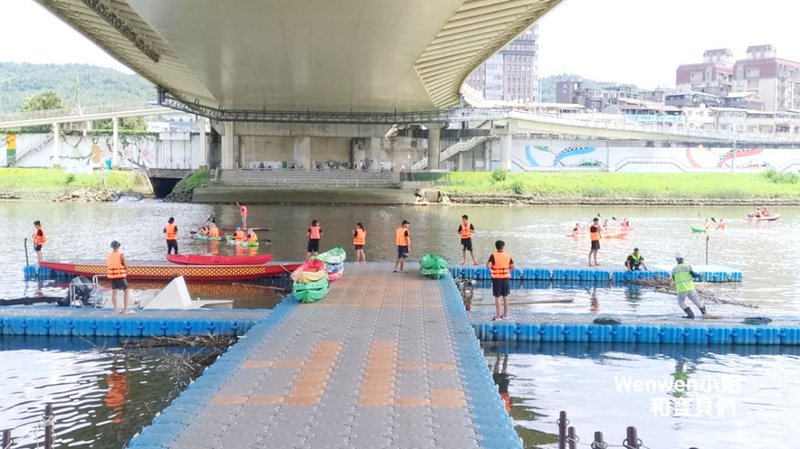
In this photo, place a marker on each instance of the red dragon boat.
(205, 259)
(206, 273)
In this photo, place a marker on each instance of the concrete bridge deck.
(385, 360)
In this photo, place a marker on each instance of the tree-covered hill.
(91, 85)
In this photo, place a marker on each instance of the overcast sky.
(627, 41)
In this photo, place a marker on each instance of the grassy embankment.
(47, 183)
(769, 184)
(182, 192)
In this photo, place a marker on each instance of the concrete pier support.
(114, 143)
(302, 152)
(505, 151)
(434, 145)
(374, 153)
(228, 140)
(56, 146)
(202, 122)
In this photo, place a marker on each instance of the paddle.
(26, 251)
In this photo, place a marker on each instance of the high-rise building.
(512, 74)
(775, 80)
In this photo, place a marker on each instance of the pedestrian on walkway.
(117, 271)
(683, 275)
(359, 241)
(403, 240)
(39, 238)
(500, 265)
(171, 234)
(314, 236)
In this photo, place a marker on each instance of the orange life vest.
(360, 238)
(171, 230)
(252, 237)
(596, 234)
(501, 267)
(243, 211)
(213, 231)
(39, 239)
(238, 235)
(400, 237)
(115, 268)
(314, 232)
(466, 232)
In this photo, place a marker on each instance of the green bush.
(517, 187)
(780, 177)
(69, 179)
(498, 175)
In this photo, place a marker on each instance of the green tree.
(43, 102)
(127, 124)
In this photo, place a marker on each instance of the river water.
(765, 252)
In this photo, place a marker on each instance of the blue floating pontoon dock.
(604, 273)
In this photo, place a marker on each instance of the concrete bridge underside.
(338, 55)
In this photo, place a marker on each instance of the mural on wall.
(84, 152)
(531, 154)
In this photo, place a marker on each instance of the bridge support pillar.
(505, 151)
(56, 145)
(460, 161)
(374, 153)
(114, 143)
(227, 162)
(434, 145)
(205, 156)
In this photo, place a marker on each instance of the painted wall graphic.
(531, 154)
(80, 153)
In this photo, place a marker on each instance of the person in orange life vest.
(500, 264)
(594, 234)
(403, 240)
(465, 230)
(314, 235)
(39, 238)
(171, 234)
(213, 230)
(118, 272)
(502, 379)
(243, 214)
(721, 224)
(251, 236)
(238, 235)
(359, 241)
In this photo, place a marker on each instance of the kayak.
(311, 271)
(605, 235)
(243, 243)
(154, 271)
(433, 265)
(311, 281)
(202, 259)
(751, 217)
(199, 236)
(695, 229)
(332, 256)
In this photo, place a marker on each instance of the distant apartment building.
(598, 99)
(712, 76)
(761, 81)
(512, 74)
(775, 80)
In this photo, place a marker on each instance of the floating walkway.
(604, 273)
(385, 360)
(527, 327)
(89, 322)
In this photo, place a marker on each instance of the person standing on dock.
(465, 230)
(359, 241)
(682, 274)
(171, 234)
(243, 214)
(403, 240)
(594, 235)
(117, 270)
(500, 265)
(39, 238)
(314, 236)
